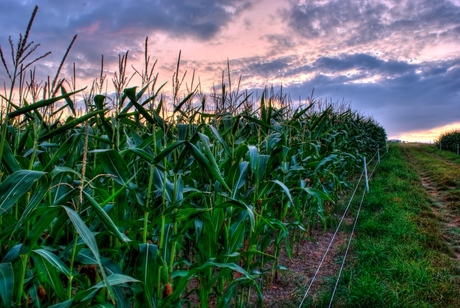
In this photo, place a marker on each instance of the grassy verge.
(399, 258)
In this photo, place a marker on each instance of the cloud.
(394, 59)
(113, 27)
(403, 25)
(413, 97)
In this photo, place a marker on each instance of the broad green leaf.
(99, 102)
(65, 148)
(186, 99)
(53, 260)
(40, 104)
(69, 125)
(116, 279)
(207, 165)
(232, 202)
(317, 193)
(108, 222)
(243, 168)
(68, 100)
(285, 189)
(37, 230)
(48, 272)
(18, 184)
(221, 140)
(146, 271)
(158, 158)
(87, 237)
(12, 254)
(257, 121)
(6, 284)
(66, 304)
(113, 164)
(262, 166)
(8, 159)
(156, 119)
(111, 281)
(38, 193)
(253, 158)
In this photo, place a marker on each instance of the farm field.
(142, 197)
(406, 252)
(146, 198)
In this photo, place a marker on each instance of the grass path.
(406, 248)
(441, 178)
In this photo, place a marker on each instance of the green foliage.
(137, 205)
(401, 258)
(449, 141)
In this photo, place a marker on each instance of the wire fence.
(366, 177)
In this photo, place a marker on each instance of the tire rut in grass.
(446, 203)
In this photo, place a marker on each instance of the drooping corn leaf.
(41, 104)
(18, 184)
(6, 283)
(105, 218)
(53, 260)
(48, 272)
(113, 164)
(39, 227)
(69, 125)
(8, 159)
(146, 272)
(87, 237)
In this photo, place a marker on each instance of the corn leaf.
(6, 284)
(145, 271)
(8, 159)
(69, 125)
(49, 274)
(53, 260)
(105, 218)
(18, 184)
(113, 164)
(40, 104)
(87, 237)
(207, 165)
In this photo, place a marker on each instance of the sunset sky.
(397, 61)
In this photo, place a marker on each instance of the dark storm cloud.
(353, 22)
(362, 65)
(112, 27)
(201, 19)
(258, 66)
(422, 96)
(405, 97)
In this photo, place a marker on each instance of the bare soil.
(289, 286)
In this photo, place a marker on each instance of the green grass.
(399, 256)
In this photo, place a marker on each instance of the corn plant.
(141, 201)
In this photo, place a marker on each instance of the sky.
(397, 61)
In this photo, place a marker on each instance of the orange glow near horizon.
(426, 136)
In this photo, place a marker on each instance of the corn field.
(139, 198)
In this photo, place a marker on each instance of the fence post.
(365, 174)
(378, 155)
(457, 148)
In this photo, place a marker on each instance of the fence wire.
(367, 176)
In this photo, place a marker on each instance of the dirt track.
(440, 177)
